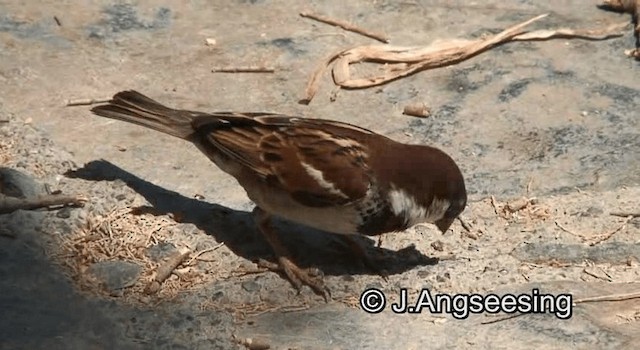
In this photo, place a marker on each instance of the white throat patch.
(404, 205)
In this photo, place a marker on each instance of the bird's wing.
(319, 162)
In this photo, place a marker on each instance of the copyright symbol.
(373, 301)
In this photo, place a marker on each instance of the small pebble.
(251, 286)
(423, 274)
(441, 278)
(437, 245)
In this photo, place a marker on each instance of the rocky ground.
(546, 134)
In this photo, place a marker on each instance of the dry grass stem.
(609, 297)
(597, 239)
(346, 26)
(247, 69)
(11, 204)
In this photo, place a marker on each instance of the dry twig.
(529, 185)
(609, 297)
(247, 69)
(403, 61)
(418, 109)
(86, 101)
(494, 204)
(251, 344)
(597, 239)
(569, 231)
(625, 214)
(204, 251)
(346, 26)
(164, 271)
(606, 236)
(496, 320)
(602, 298)
(11, 204)
(595, 275)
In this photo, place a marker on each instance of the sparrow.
(328, 175)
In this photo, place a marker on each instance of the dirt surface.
(553, 121)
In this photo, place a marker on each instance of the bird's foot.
(311, 277)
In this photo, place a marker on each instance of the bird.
(332, 176)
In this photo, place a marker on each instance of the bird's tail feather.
(134, 107)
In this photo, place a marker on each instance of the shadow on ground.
(234, 228)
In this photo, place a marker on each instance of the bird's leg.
(362, 255)
(296, 275)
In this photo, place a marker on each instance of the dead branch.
(346, 26)
(164, 271)
(11, 204)
(403, 61)
(247, 69)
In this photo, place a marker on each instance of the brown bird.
(325, 174)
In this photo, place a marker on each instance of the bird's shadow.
(236, 229)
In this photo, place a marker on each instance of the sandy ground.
(555, 122)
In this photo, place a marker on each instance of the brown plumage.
(325, 174)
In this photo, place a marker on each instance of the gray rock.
(160, 251)
(17, 184)
(251, 286)
(116, 275)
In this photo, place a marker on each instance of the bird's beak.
(444, 224)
